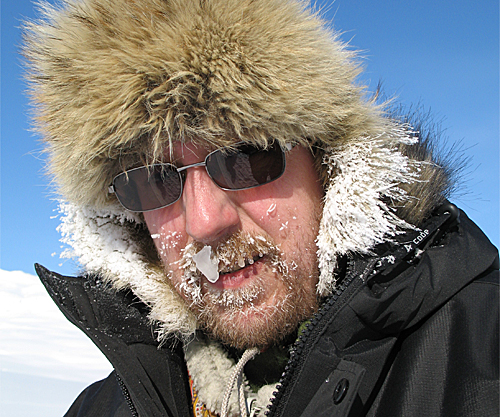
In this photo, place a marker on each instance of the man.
(256, 236)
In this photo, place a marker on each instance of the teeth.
(242, 263)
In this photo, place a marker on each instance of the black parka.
(411, 331)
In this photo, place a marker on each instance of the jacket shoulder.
(449, 363)
(94, 306)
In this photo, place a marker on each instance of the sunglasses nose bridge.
(183, 172)
(197, 164)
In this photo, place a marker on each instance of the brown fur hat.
(114, 82)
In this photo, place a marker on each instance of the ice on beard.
(207, 265)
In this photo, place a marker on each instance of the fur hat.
(114, 82)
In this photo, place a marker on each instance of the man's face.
(264, 242)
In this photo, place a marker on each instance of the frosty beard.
(264, 311)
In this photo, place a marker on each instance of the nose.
(210, 212)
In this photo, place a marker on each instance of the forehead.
(186, 151)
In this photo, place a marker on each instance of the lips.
(234, 278)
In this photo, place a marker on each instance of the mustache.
(233, 253)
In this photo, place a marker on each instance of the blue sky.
(441, 54)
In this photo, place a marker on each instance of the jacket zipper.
(126, 395)
(303, 342)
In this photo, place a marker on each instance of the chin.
(258, 324)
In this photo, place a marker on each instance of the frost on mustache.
(237, 252)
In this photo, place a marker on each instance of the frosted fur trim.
(102, 242)
(210, 368)
(362, 176)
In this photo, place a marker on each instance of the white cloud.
(36, 339)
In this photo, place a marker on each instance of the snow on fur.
(362, 176)
(101, 240)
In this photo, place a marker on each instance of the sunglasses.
(240, 167)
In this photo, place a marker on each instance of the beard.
(280, 295)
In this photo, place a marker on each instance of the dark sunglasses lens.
(145, 189)
(246, 167)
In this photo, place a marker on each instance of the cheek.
(168, 233)
(289, 209)
(289, 214)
